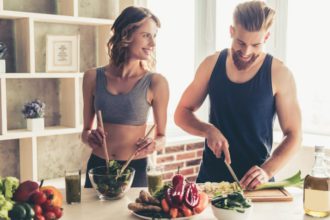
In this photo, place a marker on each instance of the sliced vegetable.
(203, 202)
(291, 181)
(191, 197)
(168, 197)
(233, 201)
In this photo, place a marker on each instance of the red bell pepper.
(178, 193)
(191, 197)
(178, 178)
(168, 196)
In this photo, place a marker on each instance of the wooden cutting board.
(269, 195)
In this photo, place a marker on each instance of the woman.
(124, 90)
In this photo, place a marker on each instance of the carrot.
(174, 212)
(165, 206)
(203, 202)
(186, 211)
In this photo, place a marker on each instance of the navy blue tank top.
(244, 113)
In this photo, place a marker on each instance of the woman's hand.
(94, 138)
(147, 146)
(218, 143)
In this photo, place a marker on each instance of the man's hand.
(253, 177)
(218, 143)
(148, 145)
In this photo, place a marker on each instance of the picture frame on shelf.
(62, 53)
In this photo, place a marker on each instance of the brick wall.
(186, 156)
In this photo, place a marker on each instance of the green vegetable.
(10, 184)
(1, 186)
(5, 206)
(5, 203)
(233, 201)
(294, 180)
(4, 214)
(160, 194)
(18, 212)
(107, 184)
(29, 210)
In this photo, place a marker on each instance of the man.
(246, 88)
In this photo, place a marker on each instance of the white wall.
(303, 161)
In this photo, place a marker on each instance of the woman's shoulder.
(158, 80)
(91, 73)
(157, 77)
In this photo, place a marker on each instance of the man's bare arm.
(191, 100)
(289, 116)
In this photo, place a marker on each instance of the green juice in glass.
(155, 180)
(73, 188)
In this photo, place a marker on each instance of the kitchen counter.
(91, 208)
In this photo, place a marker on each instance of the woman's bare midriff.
(121, 141)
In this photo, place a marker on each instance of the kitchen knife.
(232, 173)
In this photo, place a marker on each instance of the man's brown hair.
(254, 16)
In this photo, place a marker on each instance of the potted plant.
(3, 53)
(34, 112)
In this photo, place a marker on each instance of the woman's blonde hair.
(124, 26)
(254, 16)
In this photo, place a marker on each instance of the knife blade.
(232, 173)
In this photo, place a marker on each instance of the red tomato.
(50, 216)
(39, 217)
(49, 193)
(38, 198)
(37, 209)
(58, 211)
(47, 207)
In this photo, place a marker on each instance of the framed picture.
(62, 53)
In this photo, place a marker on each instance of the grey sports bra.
(130, 108)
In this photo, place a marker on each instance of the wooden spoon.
(104, 143)
(135, 153)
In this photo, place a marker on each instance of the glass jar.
(317, 187)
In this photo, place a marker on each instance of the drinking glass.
(155, 178)
(73, 186)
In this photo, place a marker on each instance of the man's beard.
(239, 63)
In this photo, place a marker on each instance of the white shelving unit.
(28, 27)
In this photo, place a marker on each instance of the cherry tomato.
(37, 209)
(38, 198)
(50, 216)
(49, 193)
(58, 211)
(39, 217)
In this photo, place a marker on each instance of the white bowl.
(225, 214)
